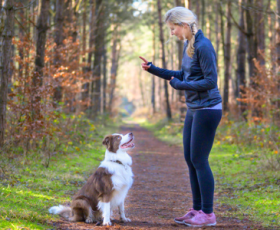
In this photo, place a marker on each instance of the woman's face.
(181, 32)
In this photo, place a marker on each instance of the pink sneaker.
(201, 219)
(191, 213)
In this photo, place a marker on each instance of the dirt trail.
(160, 191)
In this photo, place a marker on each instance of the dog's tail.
(63, 211)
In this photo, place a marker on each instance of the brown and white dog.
(107, 188)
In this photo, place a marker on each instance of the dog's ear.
(106, 141)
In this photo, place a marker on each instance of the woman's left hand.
(173, 81)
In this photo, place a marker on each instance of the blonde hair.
(178, 16)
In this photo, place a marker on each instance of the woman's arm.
(162, 73)
(165, 73)
(207, 61)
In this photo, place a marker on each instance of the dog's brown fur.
(99, 187)
(112, 142)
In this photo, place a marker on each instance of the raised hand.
(144, 65)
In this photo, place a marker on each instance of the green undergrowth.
(245, 186)
(28, 188)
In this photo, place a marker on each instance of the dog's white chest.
(122, 178)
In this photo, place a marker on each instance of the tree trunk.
(277, 116)
(104, 78)
(42, 27)
(75, 21)
(251, 41)
(270, 36)
(59, 19)
(278, 35)
(6, 36)
(188, 4)
(179, 2)
(115, 60)
(260, 32)
(168, 110)
(241, 60)
(197, 10)
(227, 56)
(217, 37)
(222, 34)
(99, 42)
(153, 99)
(86, 87)
(202, 15)
(80, 105)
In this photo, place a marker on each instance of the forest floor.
(161, 190)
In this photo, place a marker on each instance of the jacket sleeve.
(207, 61)
(164, 73)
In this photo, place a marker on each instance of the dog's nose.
(130, 134)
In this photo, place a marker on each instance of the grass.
(28, 189)
(251, 190)
(242, 184)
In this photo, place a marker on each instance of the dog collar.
(119, 162)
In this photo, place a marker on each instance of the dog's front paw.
(89, 220)
(107, 223)
(124, 219)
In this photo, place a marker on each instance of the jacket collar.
(199, 34)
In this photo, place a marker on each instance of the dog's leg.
(106, 214)
(77, 215)
(122, 214)
(111, 216)
(89, 218)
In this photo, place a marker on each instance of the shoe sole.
(179, 222)
(202, 225)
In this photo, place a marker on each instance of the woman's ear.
(185, 25)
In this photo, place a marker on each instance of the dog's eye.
(119, 138)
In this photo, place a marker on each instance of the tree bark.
(251, 39)
(59, 19)
(202, 15)
(86, 96)
(278, 58)
(153, 99)
(278, 35)
(197, 10)
(168, 110)
(217, 37)
(115, 59)
(260, 32)
(42, 27)
(104, 78)
(222, 33)
(188, 4)
(227, 57)
(99, 42)
(6, 35)
(241, 59)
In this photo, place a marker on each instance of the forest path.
(161, 189)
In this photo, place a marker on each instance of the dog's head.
(116, 141)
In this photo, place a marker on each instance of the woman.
(198, 77)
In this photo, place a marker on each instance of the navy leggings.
(198, 137)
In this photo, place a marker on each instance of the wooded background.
(63, 57)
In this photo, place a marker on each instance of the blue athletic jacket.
(198, 76)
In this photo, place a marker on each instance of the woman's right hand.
(145, 65)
